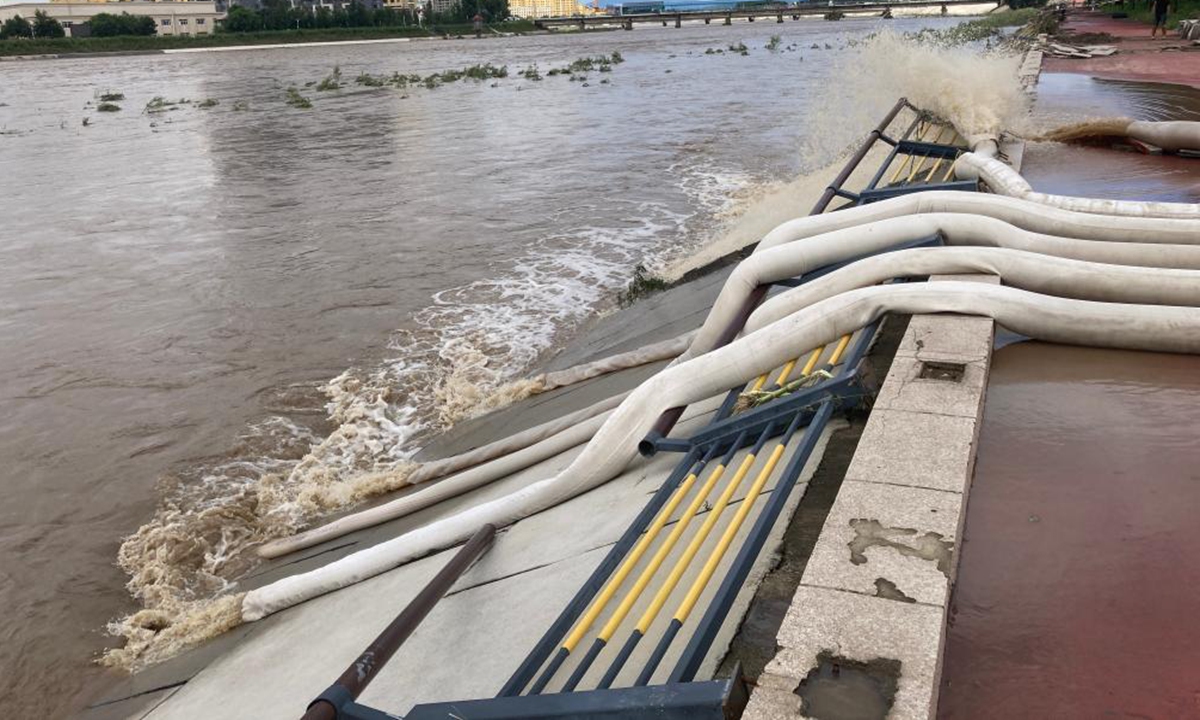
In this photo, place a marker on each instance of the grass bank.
(65, 46)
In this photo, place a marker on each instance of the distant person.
(478, 20)
(1160, 17)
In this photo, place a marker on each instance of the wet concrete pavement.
(1139, 57)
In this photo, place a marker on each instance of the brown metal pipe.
(363, 670)
(852, 165)
(666, 421)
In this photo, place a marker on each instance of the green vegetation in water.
(332, 81)
(108, 107)
(160, 104)
(296, 100)
(984, 28)
(740, 49)
(774, 44)
(370, 80)
(208, 103)
(111, 96)
(241, 106)
(531, 73)
(599, 63)
(641, 285)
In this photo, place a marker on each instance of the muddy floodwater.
(1076, 594)
(178, 281)
(1103, 172)
(1076, 588)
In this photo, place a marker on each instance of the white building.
(171, 17)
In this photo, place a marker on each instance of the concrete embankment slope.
(477, 636)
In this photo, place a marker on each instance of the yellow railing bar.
(922, 128)
(660, 555)
(693, 547)
(714, 558)
(785, 372)
(758, 383)
(839, 350)
(949, 172)
(917, 167)
(812, 362)
(631, 560)
(936, 165)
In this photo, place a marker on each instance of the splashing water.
(976, 91)
(458, 363)
(1087, 131)
(155, 635)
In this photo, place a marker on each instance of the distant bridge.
(750, 14)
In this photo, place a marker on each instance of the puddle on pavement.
(1076, 596)
(1103, 172)
(842, 689)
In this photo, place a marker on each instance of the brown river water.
(176, 288)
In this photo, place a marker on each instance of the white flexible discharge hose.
(452, 486)
(779, 262)
(797, 258)
(1003, 180)
(1029, 271)
(1014, 211)
(1043, 274)
(654, 352)
(518, 441)
(1077, 322)
(1171, 135)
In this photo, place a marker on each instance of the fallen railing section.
(338, 700)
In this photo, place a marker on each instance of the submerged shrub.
(296, 100)
(371, 80)
(332, 81)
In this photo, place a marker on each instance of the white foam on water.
(459, 361)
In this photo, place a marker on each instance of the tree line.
(271, 15)
(43, 26)
(281, 15)
(102, 25)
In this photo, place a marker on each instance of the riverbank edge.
(284, 42)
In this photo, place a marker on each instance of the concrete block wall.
(874, 595)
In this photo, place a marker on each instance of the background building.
(171, 17)
(548, 8)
